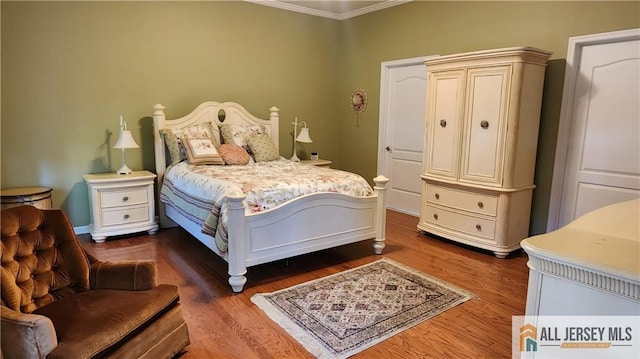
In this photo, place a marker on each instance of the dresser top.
(607, 239)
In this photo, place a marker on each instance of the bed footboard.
(307, 224)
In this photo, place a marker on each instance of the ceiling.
(333, 9)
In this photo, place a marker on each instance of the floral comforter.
(199, 192)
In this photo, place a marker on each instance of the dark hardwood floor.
(227, 325)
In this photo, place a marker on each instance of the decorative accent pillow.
(202, 151)
(172, 137)
(263, 148)
(238, 134)
(233, 154)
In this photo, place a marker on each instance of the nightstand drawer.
(123, 216)
(131, 196)
(458, 199)
(475, 226)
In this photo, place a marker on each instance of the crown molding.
(329, 14)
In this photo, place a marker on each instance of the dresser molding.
(524, 54)
(617, 284)
(473, 185)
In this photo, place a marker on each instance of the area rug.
(342, 314)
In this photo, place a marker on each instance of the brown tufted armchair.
(60, 302)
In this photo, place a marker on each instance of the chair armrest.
(26, 335)
(123, 275)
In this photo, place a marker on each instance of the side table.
(39, 197)
(121, 204)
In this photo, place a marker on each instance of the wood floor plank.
(223, 324)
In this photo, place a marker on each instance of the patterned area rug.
(342, 314)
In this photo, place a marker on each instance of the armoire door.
(484, 124)
(444, 123)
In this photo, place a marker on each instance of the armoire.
(483, 115)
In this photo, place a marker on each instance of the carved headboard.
(210, 111)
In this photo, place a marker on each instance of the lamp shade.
(125, 140)
(304, 136)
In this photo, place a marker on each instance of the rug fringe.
(308, 341)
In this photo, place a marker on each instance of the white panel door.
(603, 144)
(402, 126)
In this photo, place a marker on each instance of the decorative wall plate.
(358, 103)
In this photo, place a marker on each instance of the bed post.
(381, 213)
(158, 144)
(274, 119)
(237, 241)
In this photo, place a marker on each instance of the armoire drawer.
(128, 197)
(472, 225)
(463, 200)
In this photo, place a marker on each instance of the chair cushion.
(92, 323)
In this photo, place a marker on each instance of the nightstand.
(318, 162)
(121, 204)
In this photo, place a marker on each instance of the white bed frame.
(305, 224)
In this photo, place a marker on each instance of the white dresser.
(121, 204)
(591, 266)
(483, 113)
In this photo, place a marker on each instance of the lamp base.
(124, 170)
(294, 158)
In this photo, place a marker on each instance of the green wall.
(69, 69)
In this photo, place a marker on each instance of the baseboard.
(85, 229)
(404, 211)
(81, 229)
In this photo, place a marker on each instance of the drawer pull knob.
(126, 216)
(437, 196)
(484, 124)
(480, 205)
(479, 227)
(125, 198)
(435, 216)
(443, 123)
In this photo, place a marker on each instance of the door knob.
(388, 149)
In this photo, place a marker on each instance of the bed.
(310, 222)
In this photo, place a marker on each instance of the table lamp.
(303, 137)
(125, 141)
